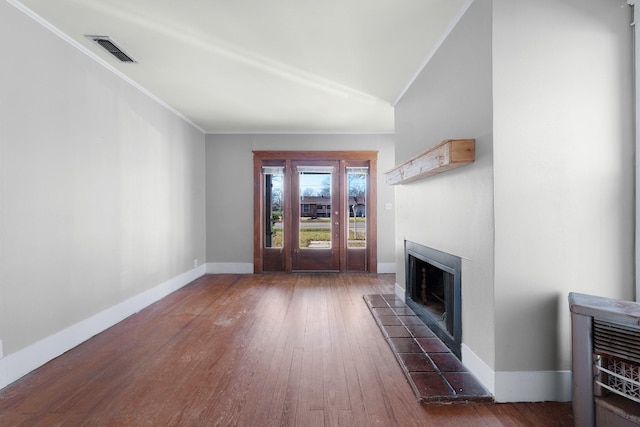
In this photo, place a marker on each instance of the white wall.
(546, 89)
(230, 191)
(101, 196)
(563, 166)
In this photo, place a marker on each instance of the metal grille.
(618, 376)
(617, 359)
(616, 340)
(110, 46)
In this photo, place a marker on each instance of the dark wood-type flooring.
(247, 350)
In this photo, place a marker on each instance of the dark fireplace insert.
(433, 282)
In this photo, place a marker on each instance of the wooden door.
(315, 211)
(316, 216)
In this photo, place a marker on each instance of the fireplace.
(433, 281)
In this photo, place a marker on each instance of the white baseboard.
(478, 368)
(247, 268)
(534, 386)
(229, 268)
(18, 364)
(386, 267)
(519, 386)
(400, 293)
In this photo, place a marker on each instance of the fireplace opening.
(433, 291)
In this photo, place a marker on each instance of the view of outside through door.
(315, 209)
(274, 201)
(356, 192)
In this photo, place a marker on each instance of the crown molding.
(302, 132)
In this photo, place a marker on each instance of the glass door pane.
(314, 224)
(357, 206)
(274, 206)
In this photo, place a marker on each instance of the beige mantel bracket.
(449, 154)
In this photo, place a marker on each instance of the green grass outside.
(318, 234)
(314, 234)
(323, 219)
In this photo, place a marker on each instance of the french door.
(316, 219)
(311, 211)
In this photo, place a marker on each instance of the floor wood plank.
(272, 349)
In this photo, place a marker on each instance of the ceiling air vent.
(111, 47)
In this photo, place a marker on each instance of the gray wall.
(101, 188)
(453, 211)
(545, 87)
(230, 187)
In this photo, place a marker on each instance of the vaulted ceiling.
(265, 65)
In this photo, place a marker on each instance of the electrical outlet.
(195, 263)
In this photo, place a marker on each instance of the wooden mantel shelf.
(449, 154)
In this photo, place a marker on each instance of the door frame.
(285, 159)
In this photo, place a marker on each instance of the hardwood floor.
(247, 350)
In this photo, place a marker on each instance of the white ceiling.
(266, 65)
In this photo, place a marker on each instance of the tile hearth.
(435, 374)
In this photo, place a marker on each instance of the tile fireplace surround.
(433, 371)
